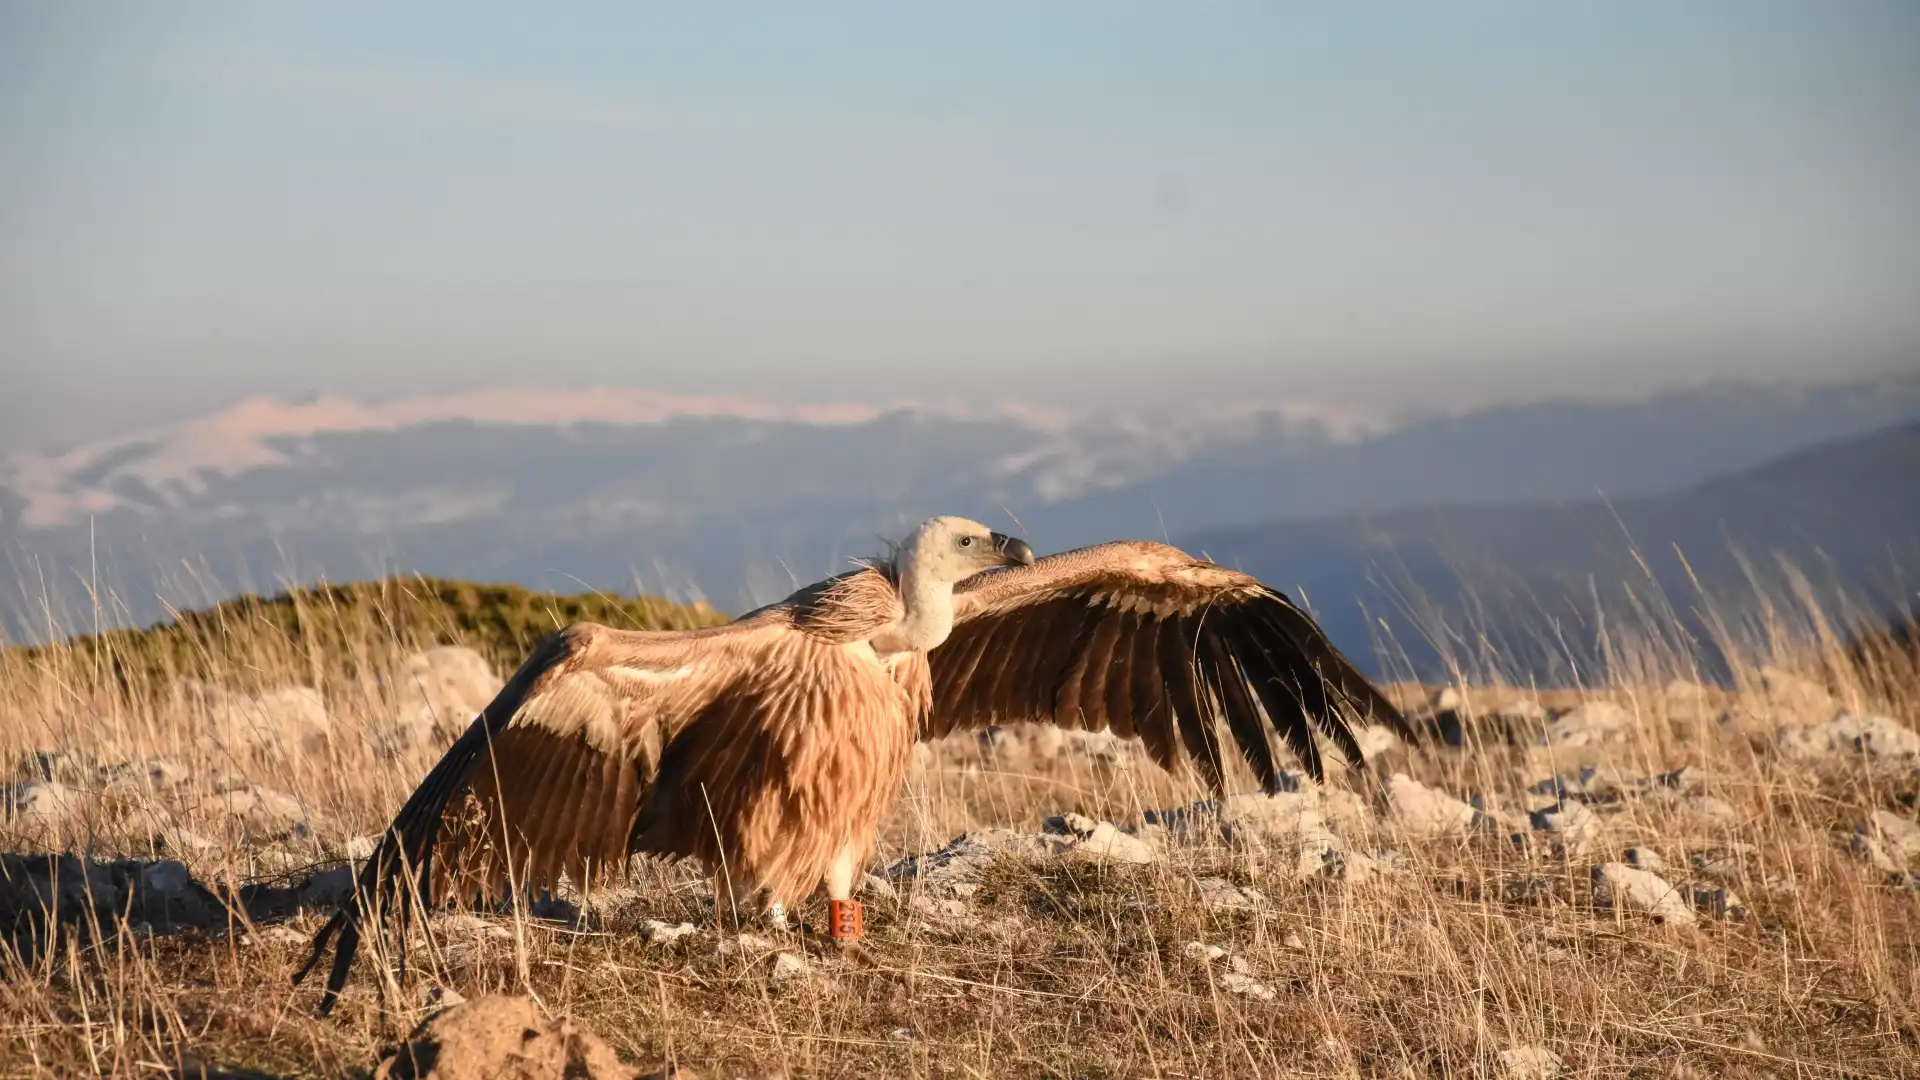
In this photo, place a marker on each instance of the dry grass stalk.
(1417, 955)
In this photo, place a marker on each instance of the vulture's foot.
(845, 936)
(857, 954)
(775, 920)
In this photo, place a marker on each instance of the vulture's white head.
(944, 551)
(935, 557)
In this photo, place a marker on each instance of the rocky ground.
(1668, 880)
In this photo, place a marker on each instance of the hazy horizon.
(1495, 202)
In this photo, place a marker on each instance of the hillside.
(1527, 584)
(330, 628)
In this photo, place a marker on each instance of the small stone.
(1522, 711)
(153, 774)
(328, 888)
(1294, 941)
(1375, 740)
(1573, 826)
(1281, 815)
(1427, 811)
(1530, 890)
(1851, 735)
(440, 691)
(1688, 780)
(1717, 863)
(1106, 841)
(46, 810)
(1874, 736)
(265, 814)
(165, 879)
(1530, 1063)
(1101, 746)
(1219, 894)
(1875, 852)
(875, 885)
(1712, 809)
(440, 997)
(188, 842)
(274, 935)
(947, 909)
(501, 1036)
(789, 967)
(749, 943)
(1899, 837)
(557, 909)
(1717, 900)
(1358, 867)
(664, 933)
(1589, 784)
(1246, 986)
(1203, 952)
(1618, 885)
(1591, 722)
(60, 765)
(274, 723)
(1788, 695)
(1645, 858)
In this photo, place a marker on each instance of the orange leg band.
(844, 921)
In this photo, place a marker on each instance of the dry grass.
(1062, 967)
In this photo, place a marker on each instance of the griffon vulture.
(770, 748)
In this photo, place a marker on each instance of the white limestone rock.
(1530, 1063)
(1589, 723)
(1426, 811)
(1102, 840)
(1620, 887)
(275, 724)
(47, 812)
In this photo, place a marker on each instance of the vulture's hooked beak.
(1012, 550)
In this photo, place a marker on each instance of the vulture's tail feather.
(405, 851)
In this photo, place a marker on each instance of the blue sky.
(200, 201)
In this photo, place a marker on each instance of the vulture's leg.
(776, 916)
(844, 917)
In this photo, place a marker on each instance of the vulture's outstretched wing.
(550, 778)
(1147, 640)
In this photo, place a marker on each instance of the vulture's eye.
(966, 541)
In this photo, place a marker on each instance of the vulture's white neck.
(926, 602)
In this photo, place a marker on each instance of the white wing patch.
(652, 676)
(575, 704)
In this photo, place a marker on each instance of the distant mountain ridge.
(1548, 590)
(735, 501)
(263, 433)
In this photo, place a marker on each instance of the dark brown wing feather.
(1146, 640)
(549, 780)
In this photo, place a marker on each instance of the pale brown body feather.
(771, 748)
